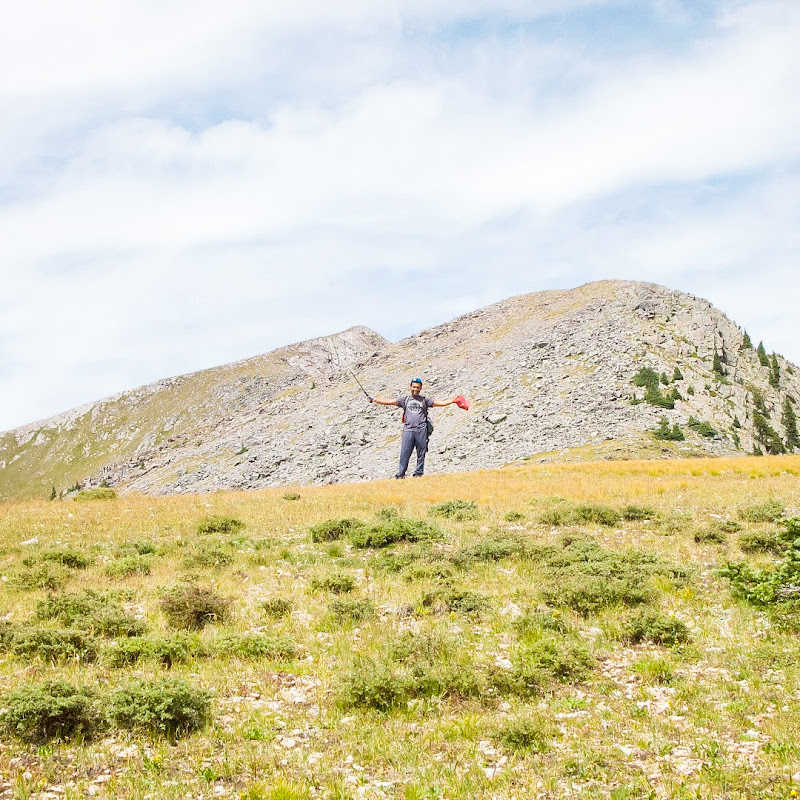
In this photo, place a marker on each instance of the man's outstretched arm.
(440, 403)
(382, 401)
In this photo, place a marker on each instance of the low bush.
(56, 645)
(525, 733)
(710, 535)
(219, 524)
(352, 609)
(174, 648)
(513, 516)
(703, 428)
(652, 626)
(101, 613)
(399, 529)
(437, 571)
(664, 433)
(779, 585)
(558, 658)
(635, 513)
(333, 529)
(127, 566)
(142, 547)
(454, 601)
(533, 622)
(338, 583)
(768, 511)
(291, 496)
(257, 646)
(277, 607)
(588, 594)
(50, 710)
(47, 575)
(455, 509)
(208, 556)
(192, 607)
(170, 707)
(67, 557)
(101, 493)
(493, 548)
(586, 514)
(763, 542)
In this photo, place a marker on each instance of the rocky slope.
(549, 375)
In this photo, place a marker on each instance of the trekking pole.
(350, 372)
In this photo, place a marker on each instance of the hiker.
(416, 426)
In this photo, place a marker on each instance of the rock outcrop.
(549, 376)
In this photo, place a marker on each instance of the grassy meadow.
(603, 630)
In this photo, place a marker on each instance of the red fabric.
(462, 402)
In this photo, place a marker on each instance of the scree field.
(618, 629)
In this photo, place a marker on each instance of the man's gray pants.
(413, 437)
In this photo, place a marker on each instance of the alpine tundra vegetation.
(615, 629)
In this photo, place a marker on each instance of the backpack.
(428, 423)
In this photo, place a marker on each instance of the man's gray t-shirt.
(415, 409)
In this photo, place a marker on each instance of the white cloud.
(153, 237)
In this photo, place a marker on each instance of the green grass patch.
(101, 493)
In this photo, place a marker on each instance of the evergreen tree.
(762, 355)
(718, 368)
(677, 375)
(746, 343)
(789, 422)
(774, 372)
(53, 493)
(664, 378)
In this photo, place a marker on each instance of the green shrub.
(438, 571)
(352, 609)
(50, 710)
(455, 509)
(291, 496)
(711, 535)
(525, 733)
(664, 433)
(513, 516)
(67, 557)
(533, 622)
(493, 548)
(56, 645)
(101, 613)
(703, 428)
(127, 566)
(219, 524)
(48, 576)
(169, 649)
(374, 685)
(649, 625)
(333, 529)
(142, 547)
(454, 601)
(557, 658)
(768, 511)
(339, 583)
(585, 514)
(192, 607)
(208, 556)
(763, 542)
(728, 526)
(257, 646)
(170, 707)
(779, 585)
(632, 512)
(101, 493)
(589, 594)
(277, 607)
(383, 534)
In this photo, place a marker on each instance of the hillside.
(544, 631)
(549, 374)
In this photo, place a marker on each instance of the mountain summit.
(589, 372)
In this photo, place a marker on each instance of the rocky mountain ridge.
(550, 376)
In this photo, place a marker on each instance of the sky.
(185, 184)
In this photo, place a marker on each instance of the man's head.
(415, 386)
